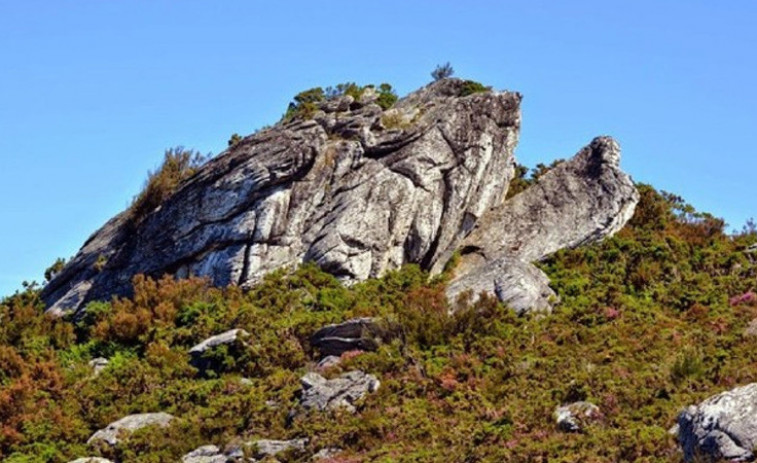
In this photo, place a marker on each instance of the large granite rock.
(579, 201)
(112, 433)
(360, 191)
(319, 393)
(91, 460)
(723, 427)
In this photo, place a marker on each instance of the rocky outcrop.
(360, 191)
(579, 201)
(91, 460)
(319, 393)
(722, 427)
(112, 433)
(259, 449)
(574, 417)
(355, 334)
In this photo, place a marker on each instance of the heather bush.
(178, 165)
(651, 320)
(442, 71)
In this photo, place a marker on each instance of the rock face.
(722, 427)
(579, 201)
(111, 433)
(322, 394)
(360, 191)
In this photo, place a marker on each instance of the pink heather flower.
(746, 298)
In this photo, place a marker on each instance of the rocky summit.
(360, 190)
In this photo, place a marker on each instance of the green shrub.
(387, 96)
(305, 104)
(471, 86)
(442, 71)
(234, 139)
(178, 165)
(54, 269)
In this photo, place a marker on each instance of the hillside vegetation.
(651, 320)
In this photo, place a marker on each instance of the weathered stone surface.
(265, 447)
(98, 364)
(356, 334)
(205, 454)
(325, 454)
(519, 284)
(359, 191)
(227, 337)
(91, 460)
(357, 195)
(111, 433)
(722, 427)
(574, 417)
(322, 394)
(580, 201)
(261, 448)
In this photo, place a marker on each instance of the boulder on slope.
(723, 427)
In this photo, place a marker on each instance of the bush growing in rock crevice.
(178, 165)
(305, 104)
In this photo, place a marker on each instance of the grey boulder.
(112, 433)
(355, 334)
(91, 460)
(98, 365)
(265, 447)
(205, 454)
(722, 427)
(574, 417)
(319, 393)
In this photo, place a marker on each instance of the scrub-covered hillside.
(656, 318)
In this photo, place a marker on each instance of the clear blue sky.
(92, 92)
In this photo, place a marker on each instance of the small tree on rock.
(443, 71)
